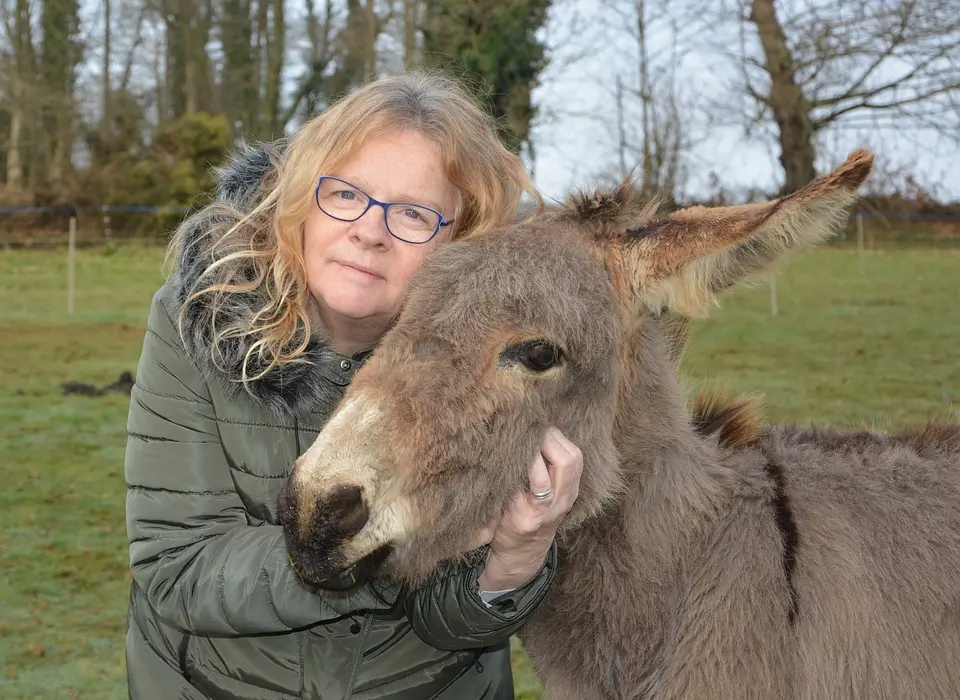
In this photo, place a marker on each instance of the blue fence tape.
(104, 209)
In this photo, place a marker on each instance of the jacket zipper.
(182, 657)
(365, 630)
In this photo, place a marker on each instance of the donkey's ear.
(684, 262)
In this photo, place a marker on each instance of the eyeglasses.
(411, 223)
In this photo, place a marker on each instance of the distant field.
(876, 349)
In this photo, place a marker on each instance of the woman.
(280, 289)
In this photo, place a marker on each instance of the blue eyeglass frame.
(384, 205)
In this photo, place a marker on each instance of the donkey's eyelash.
(513, 352)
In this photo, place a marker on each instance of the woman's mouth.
(361, 270)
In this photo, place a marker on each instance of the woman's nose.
(371, 228)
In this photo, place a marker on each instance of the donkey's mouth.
(358, 574)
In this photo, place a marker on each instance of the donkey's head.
(501, 337)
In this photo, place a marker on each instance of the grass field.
(876, 349)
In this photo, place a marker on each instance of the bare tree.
(318, 58)
(105, 67)
(819, 64)
(240, 72)
(273, 35)
(20, 76)
(412, 11)
(653, 135)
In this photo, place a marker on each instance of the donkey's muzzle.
(315, 539)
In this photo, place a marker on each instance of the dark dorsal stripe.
(789, 535)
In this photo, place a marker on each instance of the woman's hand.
(521, 539)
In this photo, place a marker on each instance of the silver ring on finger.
(543, 496)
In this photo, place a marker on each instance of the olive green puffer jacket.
(215, 610)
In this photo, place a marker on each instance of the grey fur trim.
(293, 389)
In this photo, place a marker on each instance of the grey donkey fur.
(705, 557)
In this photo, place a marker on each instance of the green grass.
(63, 573)
(875, 349)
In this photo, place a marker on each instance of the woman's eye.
(412, 214)
(539, 357)
(344, 194)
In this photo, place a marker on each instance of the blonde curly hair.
(262, 250)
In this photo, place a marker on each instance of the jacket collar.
(313, 385)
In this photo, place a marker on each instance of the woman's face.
(357, 271)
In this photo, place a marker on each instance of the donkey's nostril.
(347, 509)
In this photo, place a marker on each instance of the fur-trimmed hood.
(294, 389)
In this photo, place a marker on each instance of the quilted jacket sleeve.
(449, 613)
(202, 565)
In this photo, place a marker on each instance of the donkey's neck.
(617, 568)
(673, 480)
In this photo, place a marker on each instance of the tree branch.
(873, 92)
(128, 67)
(923, 96)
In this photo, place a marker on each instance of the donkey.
(706, 556)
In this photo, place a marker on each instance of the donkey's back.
(872, 525)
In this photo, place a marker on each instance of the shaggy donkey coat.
(706, 557)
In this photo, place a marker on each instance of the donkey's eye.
(536, 355)
(539, 357)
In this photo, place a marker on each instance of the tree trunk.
(161, 68)
(22, 78)
(621, 131)
(240, 91)
(262, 43)
(370, 42)
(204, 97)
(791, 110)
(650, 180)
(275, 31)
(60, 164)
(410, 21)
(105, 115)
(60, 54)
(356, 48)
(14, 163)
(178, 42)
